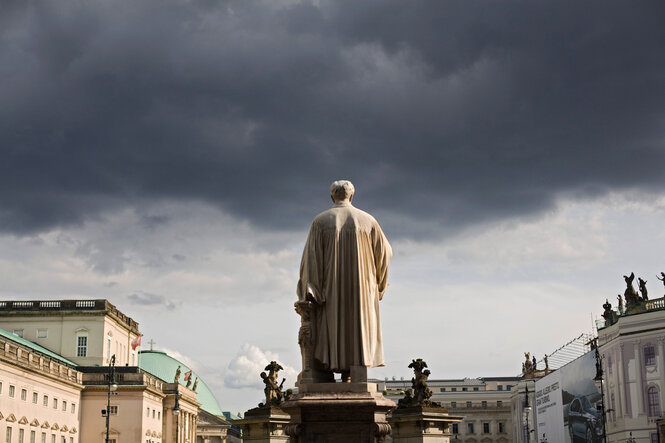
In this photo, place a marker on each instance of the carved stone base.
(264, 425)
(421, 424)
(338, 413)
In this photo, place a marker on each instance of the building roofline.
(68, 307)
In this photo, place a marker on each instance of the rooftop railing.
(67, 305)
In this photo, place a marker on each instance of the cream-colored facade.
(87, 332)
(136, 406)
(54, 380)
(40, 396)
(483, 402)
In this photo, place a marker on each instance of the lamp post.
(527, 409)
(598, 379)
(176, 412)
(111, 390)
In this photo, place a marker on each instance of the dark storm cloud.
(442, 112)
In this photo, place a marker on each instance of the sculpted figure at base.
(420, 393)
(273, 390)
(343, 276)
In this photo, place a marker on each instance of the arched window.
(654, 402)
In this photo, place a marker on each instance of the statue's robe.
(344, 269)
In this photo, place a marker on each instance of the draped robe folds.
(344, 269)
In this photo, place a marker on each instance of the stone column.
(661, 370)
(638, 377)
(420, 424)
(621, 382)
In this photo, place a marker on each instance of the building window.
(0, 388)
(82, 346)
(46, 400)
(35, 397)
(502, 429)
(649, 355)
(8, 435)
(73, 408)
(499, 387)
(147, 412)
(12, 390)
(64, 405)
(654, 438)
(52, 438)
(654, 404)
(614, 413)
(43, 437)
(484, 404)
(442, 390)
(609, 365)
(55, 403)
(499, 404)
(469, 428)
(108, 348)
(18, 332)
(475, 389)
(453, 404)
(24, 394)
(159, 415)
(113, 410)
(468, 404)
(508, 387)
(21, 435)
(455, 428)
(454, 389)
(42, 333)
(464, 389)
(486, 428)
(33, 436)
(153, 413)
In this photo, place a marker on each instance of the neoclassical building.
(55, 369)
(483, 402)
(632, 348)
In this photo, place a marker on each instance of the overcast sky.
(169, 156)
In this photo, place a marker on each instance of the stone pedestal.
(338, 413)
(264, 425)
(421, 424)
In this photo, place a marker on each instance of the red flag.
(136, 342)
(188, 375)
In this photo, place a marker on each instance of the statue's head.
(342, 190)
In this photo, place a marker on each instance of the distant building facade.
(54, 380)
(483, 402)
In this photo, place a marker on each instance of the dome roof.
(163, 366)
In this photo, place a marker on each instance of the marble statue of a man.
(344, 271)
